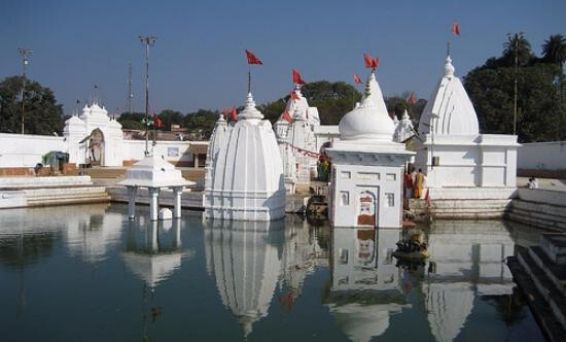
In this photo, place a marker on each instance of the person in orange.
(418, 185)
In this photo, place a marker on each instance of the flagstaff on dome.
(252, 59)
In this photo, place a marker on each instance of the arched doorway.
(367, 209)
(95, 151)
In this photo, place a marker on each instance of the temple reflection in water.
(266, 276)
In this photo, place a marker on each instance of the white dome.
(449, 108)
(369, 120)
(366, 122)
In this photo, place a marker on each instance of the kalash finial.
(448, 67)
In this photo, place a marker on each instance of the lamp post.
(148, 41)
(25, 53)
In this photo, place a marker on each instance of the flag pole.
(249, 78)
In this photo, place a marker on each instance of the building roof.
(449, 111)
(370, 120)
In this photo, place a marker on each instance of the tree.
(201, 121)
(554, 50)
(131, 120)
(491, 89)
(333, 100)
(43, 115)
(398, 104)
(517, 46)
(170, 117)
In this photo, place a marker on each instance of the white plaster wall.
(347, 215)
(134, 150)
(542, 155)
(17, 150)
(24, 150)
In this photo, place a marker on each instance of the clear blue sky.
(198, 60)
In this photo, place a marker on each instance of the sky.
(198, 59)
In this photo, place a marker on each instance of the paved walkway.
(544, 183)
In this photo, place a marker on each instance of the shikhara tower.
(244, 177)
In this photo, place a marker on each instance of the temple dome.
(369, 120)
(450, 107)
(246, 176)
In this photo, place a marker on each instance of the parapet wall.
(542, 156)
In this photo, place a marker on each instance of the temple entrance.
(95, 150)
(367, 208)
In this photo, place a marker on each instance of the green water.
(85, 273)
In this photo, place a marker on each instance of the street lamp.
(25, 53)
(148, 41)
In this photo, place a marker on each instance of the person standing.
(419, 184)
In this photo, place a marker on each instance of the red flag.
(297, 79)
(371, 62)
(287, 117)
(455, 28)
(252, 59)
(357, 79)
(412, 100)
(294, 95)
(157, 123)
(234, 114)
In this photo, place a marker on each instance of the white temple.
(92, 137)
(244, 177)
(458, 161)
(404, 129)
(297, 137)
(367, 166)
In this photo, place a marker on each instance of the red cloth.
(357, 79)
(297, 79)
(252, 59)
(371, 62)
(455, 28)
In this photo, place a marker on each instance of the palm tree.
(517, 46)
(554, 50)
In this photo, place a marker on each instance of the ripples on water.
(87, 273)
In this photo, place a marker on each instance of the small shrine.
(459, 162)
(367, 166)
(154, 173)
(244, 176)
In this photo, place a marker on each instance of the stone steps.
(544, 315)
(69, 195)
(546, 288)
(460, 209)
(540, 214)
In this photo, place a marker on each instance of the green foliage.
(170, 117)
(333, 100)
(131, 120)
(398, 104)
(42, 113)
(202, 120)
(540, 112)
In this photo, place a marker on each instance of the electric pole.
(130, 94)
(148, 41)
(25, 53)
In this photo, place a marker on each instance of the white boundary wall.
(542, 155)
(25, 150)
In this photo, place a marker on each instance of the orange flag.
(455, 28)
(287, 117)
(252, 59)
(297, 79)
(357, 79)
(371, 62)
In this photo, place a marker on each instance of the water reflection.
(245, 260)
(248, 260)
(365, 288)
(153, 251)
(464, 263)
